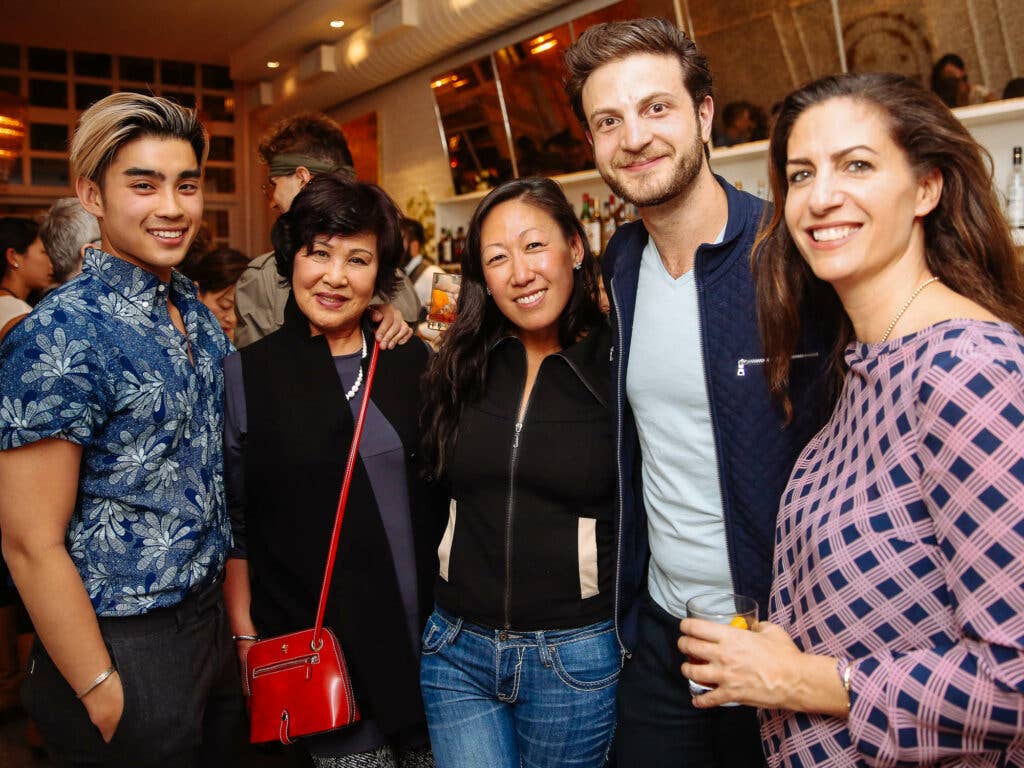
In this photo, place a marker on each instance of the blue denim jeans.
(498, 699)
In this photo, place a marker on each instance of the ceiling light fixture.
(337, 23)
(273, 64)
(444, 81)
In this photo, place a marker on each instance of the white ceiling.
(243, 33)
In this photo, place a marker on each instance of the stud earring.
(17, 265)
(577, 266)
(488, 291)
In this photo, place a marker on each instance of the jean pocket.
(589, 664)
(436, 634)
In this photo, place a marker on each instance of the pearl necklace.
(903, 309)
(359, 379)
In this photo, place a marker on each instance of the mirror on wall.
(474, 126)
(546, 138)
(759, 50)
(543, 136)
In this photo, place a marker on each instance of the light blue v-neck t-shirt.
(667, 390)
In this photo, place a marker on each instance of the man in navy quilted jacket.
(704, 453)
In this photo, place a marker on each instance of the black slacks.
(183, 700)
(658, 727)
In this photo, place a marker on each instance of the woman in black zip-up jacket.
(520, 659)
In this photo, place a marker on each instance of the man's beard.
(686, 170)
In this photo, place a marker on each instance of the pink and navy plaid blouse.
(900, 545)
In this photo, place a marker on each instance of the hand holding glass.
(444, 297)
(722, 608)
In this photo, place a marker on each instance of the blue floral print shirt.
(99, 363)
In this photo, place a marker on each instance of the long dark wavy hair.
(967, 240)
(458, 371)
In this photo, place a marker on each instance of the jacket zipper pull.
(519, 428)
(741, 367)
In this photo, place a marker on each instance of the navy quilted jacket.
(755, 450)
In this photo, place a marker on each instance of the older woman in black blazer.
(289, 416)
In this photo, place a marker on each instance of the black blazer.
(299, 432)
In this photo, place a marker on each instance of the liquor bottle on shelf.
(591, 225)
(459, 244)
(608, 224)
(445, 247)
(1015, 198)
(620, 211)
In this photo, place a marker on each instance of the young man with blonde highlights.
(113, 513)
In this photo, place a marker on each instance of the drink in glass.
(722, 608)
(444, 297)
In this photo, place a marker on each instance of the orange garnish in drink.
(438, 299)
(739, 622)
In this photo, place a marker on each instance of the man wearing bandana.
(296, 149)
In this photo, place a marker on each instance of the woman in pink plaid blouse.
(896, 631)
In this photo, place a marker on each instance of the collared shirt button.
(145, 304)
(161, 288)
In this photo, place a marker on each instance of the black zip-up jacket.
(530, 540)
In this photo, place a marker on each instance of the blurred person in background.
(215, 274)
(25, 269)
(416, 263)
(295, 150)
(420, 271)
(66, 231)
(738, 124)
(1014, 88)
(950, 82)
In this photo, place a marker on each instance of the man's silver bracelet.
(99, 679)
(239, 638)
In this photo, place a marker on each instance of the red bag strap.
(353, 453)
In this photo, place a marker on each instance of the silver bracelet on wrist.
(237, 638)
(95, 683)
(845, 669)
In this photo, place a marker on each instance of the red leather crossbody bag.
(298, 684)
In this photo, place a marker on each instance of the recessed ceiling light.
(273, 64)
(337, 23)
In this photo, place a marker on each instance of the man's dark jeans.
(658, 727)
(183, 700)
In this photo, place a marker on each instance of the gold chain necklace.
(903, 309)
